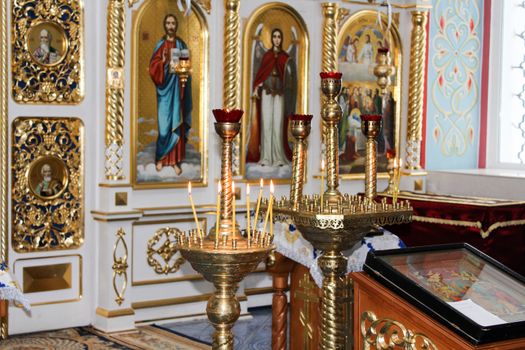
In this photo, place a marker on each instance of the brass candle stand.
(224, 257)
(333, 222)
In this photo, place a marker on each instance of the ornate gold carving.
(47, 215)
(46, 278)
(120, 266)
(330, 12)
(342, 16)
(416, 80)
(115, 56)
(55, 76)
(3, 150)
(390, 334)
(166, 250)
(205, 4)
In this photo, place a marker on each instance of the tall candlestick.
(261, 183)
(272, 189)
(233, 204)
(248, 226)
(193, 209)
(397, 179)
(322, 184)
(218, 216)
(269, 208)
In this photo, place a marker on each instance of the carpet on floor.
(87, 338)
(253, 333)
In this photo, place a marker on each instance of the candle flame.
(233, 187)
(189, 188)
(261, 182)
(247, 189)
(272, 189)
(400, 163)
(219, 187)
(322, 164)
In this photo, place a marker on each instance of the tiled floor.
(250, 333)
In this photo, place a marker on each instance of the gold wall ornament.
(271, 158)
(168, 168)
(120, 266)
(52, 75)
(47, 184)
(388, 334)
(115, 60)
(416, 86)
(163, 244)
(4, 239)
(205, 4)
(308, 296)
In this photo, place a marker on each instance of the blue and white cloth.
(9, 289)
(290, 243)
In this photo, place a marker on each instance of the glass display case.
(468, 291)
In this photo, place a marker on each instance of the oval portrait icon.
(47, 43)
(47, 177)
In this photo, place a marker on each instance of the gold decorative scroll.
(163, 244)
(120, 266)
(416, 80)
(47, 215)
(115, 54)
(54, 75)
(205, 4)
(3, 149)
(391, 335)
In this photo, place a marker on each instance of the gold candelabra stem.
(227, 131)
(331, 113)
(333, 265)
(223, 309)
(371, 129)
(300, 130)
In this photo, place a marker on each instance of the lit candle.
(233, 203)
(398, 179)
(269, 209)
(218, 218)
(261, 183)
(322, 183)
(248, 226)
(272, 189)
(193, 209)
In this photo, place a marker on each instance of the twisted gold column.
(329, 37)
(231, 54)
(418, 45)
(3, 151)
(333, 265)
(300, 127)
(115, 90)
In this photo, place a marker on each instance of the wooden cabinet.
(373, 299)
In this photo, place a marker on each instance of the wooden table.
(373, 299)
